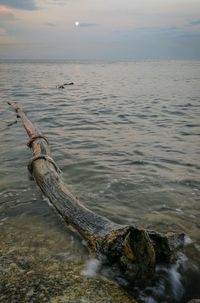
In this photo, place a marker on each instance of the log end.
(130, 252)
(166, 246)
(133, 253)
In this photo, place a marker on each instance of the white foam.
(175, 280)
(46, 200)
(178, 210)
(168, 281)
(4, 219)
(187, 240)
(92, 268)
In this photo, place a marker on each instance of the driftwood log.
(131, 251)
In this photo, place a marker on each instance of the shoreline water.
(125, 136)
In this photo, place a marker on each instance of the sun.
(77, 23)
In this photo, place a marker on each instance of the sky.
(100, 29)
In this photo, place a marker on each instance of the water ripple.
(126, 137)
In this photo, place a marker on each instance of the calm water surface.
(125, 135)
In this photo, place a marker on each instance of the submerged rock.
(42, 262)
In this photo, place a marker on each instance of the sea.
(126, 136)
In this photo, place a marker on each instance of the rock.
(47, 278)
(30, 292)
(30, 272)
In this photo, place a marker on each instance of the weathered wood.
(132, 251)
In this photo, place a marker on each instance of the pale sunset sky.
(100, 29)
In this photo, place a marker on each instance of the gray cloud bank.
(195, 22)
(20, 4)
(88, 24)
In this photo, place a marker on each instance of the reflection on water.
(125, 136)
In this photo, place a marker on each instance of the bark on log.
(131, 251)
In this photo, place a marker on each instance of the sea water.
(126, 137)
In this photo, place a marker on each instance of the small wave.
(92, 268)
(167, 285)
(88, 99)
(187, 240)
(192, 125)
(184, 133)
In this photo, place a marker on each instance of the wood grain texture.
(131, 251)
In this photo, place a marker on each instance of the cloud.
(20, 4)
(88, 24)
(195, 22)
(57, 2)
(6, 15)
(2, 32)
(157, 28)
(5, 39)
(50, 24)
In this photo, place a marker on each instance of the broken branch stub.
(131, 251)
